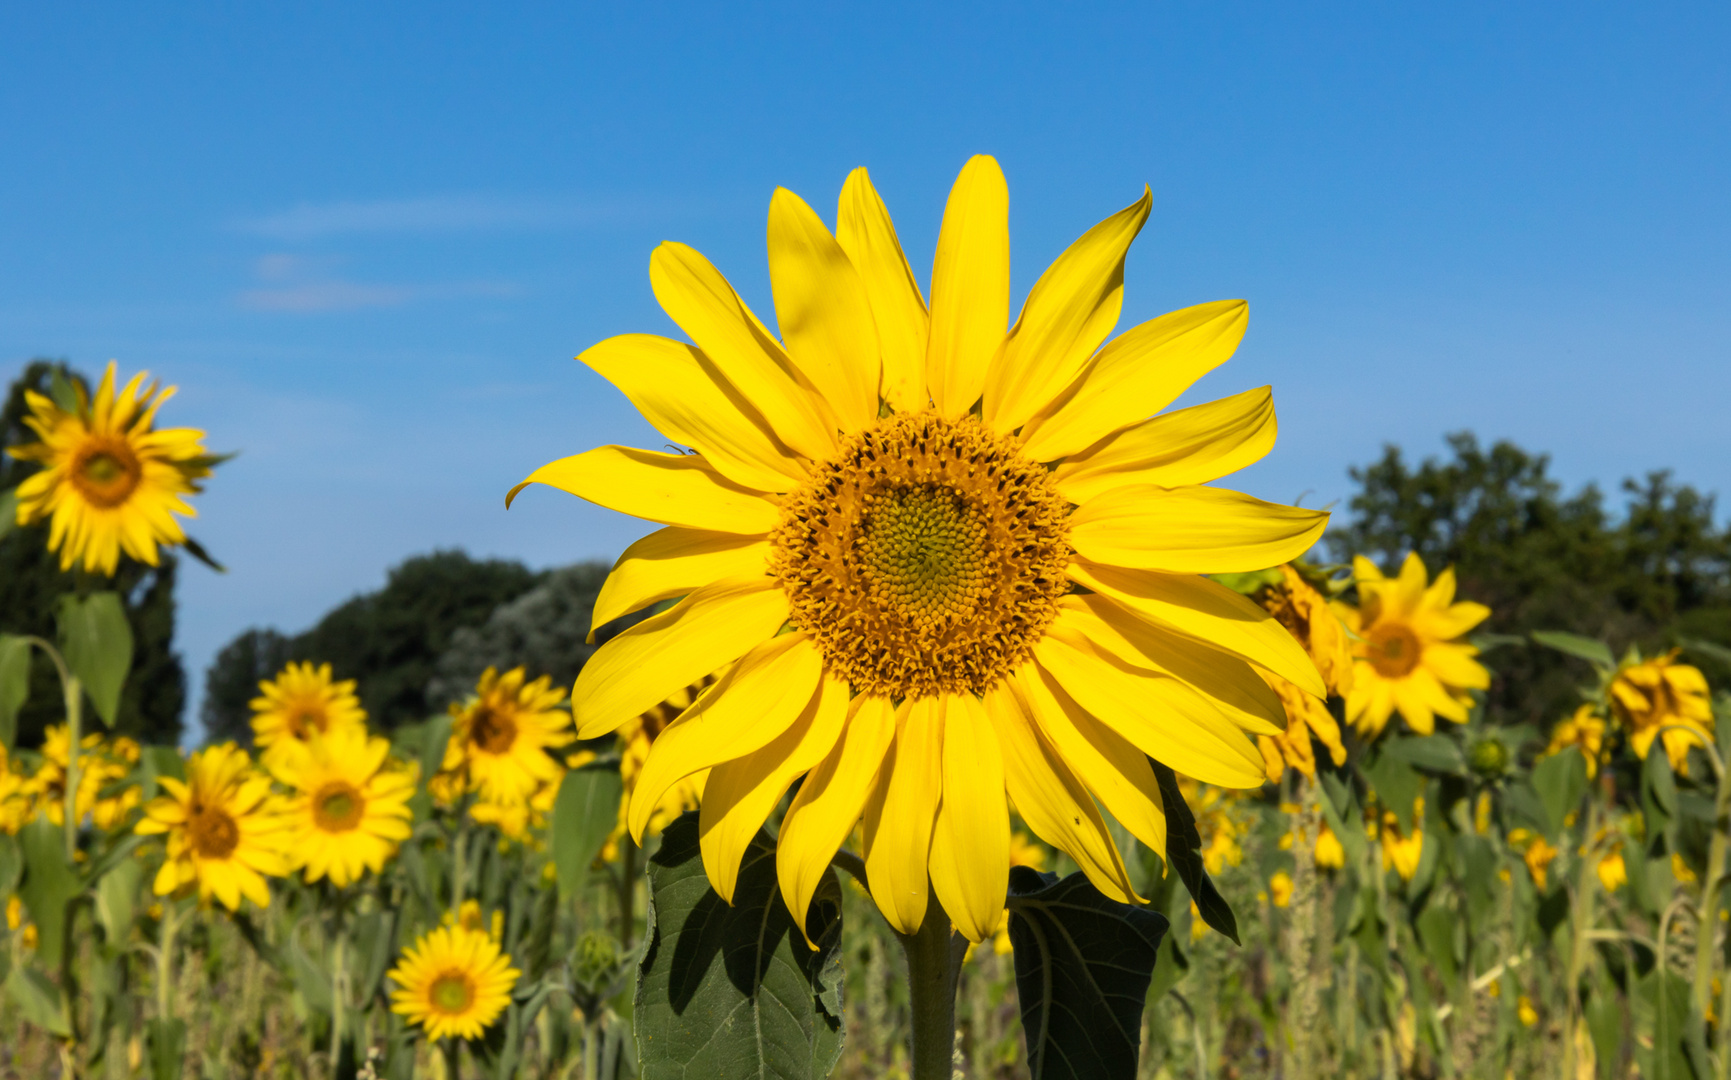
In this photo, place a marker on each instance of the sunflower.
(223, 833)
(985, 555)
(350, 808)
(1401, 851)
(17, 806)
(1660, 697)
(1585, 731)
(102, 765)
(502, 737)
(109, 479)
(302, 701)
(454, 981)
(1306, 614)
(1408, 655)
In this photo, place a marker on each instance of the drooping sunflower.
(1585, 731)
(110, 480)
(222, 830)
(1664, 699)
(1306, 614)
(350, 807)
(948, 558)
(502, 738)
(302, 701)
(454, 981)
(1409, 654)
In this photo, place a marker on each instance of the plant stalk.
(1706, 937)
(74, 691)
(934, 968)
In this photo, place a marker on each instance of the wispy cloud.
(297, 286)
(439, 214)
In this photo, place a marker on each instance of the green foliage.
(96, 642)
(231, 682)
(584, 812)
(1184, 854)
(14, 684)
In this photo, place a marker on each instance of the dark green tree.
(232, 681)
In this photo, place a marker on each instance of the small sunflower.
(1307, 616)
(350, 807)
(223, 833)
(102, 765)
(1664, 699)
(17, 806)
(1585, 731)
(502, 738)
(1330, 855)
(1401, 851)
(110, 481)
(1409, 655)
(454, 981)
(302, 701)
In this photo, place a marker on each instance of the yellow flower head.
(221, 828)
(454, 981)
(1613, 872)
(919, 496)
(1525, 1011)
(1306, 717)
(302, 701)
(17, 801)
(501, 737)
(102, 763)
(1409, 656)
(1585, 731)
(1313, 621)
(1660, 697)
(14, 912)
(350, 807)
(1330, 855)
(1401, 851)
(110, 480)
(1538, 854)
(1280, 888)
(470, 917)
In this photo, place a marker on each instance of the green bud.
(1489, 757)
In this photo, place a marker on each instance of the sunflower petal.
(1137, 374)
(970, 858)
(1191, 529)
(822, 310)
(674, 489)
(865, 232)
(699, 299)
(1190, 446)
(755, 702)
(1068, 313)
(970, 287)
(900, 814)
(685, 396)
(672, 562)
(637, 670)
(740, 793)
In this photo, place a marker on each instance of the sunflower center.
(213, 832)
(928, 556)
(1394, 650)
(493, 731)
(105, 471)
(337, 806)
(452, 992)
(305, 720)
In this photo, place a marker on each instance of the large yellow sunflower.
(302, 701)
(501, 737)
(949, 559)
(1409, 653)
(110, 480)
(454, 981)
(350, 808)
(223, 833)
(1664, 699)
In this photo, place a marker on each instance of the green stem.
(1707, 936)
(339, 988)
(934, 968)
(165, 960)
(459, 850)
(74, 691)
(627, 891)
(1583, 916)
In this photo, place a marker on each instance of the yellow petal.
(1050, 798)
(865, 232)
(699, 299)
(970, 859)
(1190, 446)
(1115, 772)
(970, 287)
(641, 667)
(1137, 374)
(900, 813)
(674, 489)
(672, 562)
(1068, 313)
(757, 700)
(829, 802)
(1164, 718)
(1206, 612)
(740, 793)
(1191, 530)
(685, 396)
(1455, 666)
(822, 310)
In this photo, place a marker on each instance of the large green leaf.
(1590, 649)
(167, 1048)
(1083, 966)
(729, 992)
(14, 683)
(49, 885)
(1438, 753)
(1184, 853)
(1397, 786)
(583, 814)
(1560, 780)
(96, 641)
(8, 511)
(39, 1000)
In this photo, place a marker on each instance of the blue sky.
(367, 240)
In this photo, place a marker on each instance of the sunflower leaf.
(584, 813)
(14, 682)
(196, 550)
(49, 886)
(1184, 853)
(61, 390)
(1589, 649)
(730, 991)
(1083, 966)
(8, 511)
(96, 640)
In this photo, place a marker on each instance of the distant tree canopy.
(31, 582)
(1656, 574)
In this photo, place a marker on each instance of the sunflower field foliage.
(952, 722)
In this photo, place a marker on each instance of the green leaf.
(1658, 792)
(1592, 650)
(11, 864)
(116, 894)
(1397, 786)
(1184, 854)
(310, 977)
(39, 1000)
(1170, 967)
(733, 991)
(61, 390)
(8, 511)
(1438, 753)
(1666, 999)
(1084, 963)
(1436, 931)
(1708, 649)
(96, 641)
(376, 944)
(49, 885)
(111, 858)
(167, 1048)
(1344, 820)
(1561, 781)
(14, 681)
(196, 550)
(583, 814)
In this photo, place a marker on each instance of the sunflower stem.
(934, 968)
(74, 691)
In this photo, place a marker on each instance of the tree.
(232, 682)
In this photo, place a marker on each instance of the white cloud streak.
(437, 214)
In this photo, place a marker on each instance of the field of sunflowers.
(966, 730)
